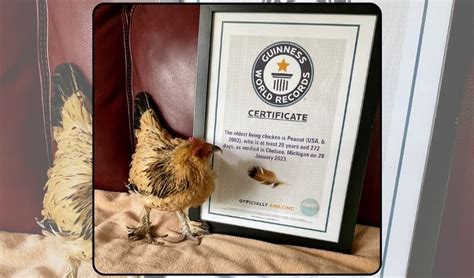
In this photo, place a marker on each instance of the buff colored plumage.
(67, 204)
(169, 174)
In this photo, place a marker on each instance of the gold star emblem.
(282, 65)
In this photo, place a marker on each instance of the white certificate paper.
(285, 94)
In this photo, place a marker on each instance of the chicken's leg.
(72, 268)
(191, 229)
(143, 231)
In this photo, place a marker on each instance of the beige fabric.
(26, 255)
(114, 253)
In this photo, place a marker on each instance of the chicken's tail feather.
(143, 103)
(49, 226)
(132, 188)
(68, 79)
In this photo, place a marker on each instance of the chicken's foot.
(143, 231)
(191, 229)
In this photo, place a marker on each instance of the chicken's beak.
(216, 149)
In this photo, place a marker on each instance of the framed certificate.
(289, 93)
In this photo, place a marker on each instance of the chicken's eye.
(201, 151)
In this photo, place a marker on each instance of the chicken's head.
(200, 149)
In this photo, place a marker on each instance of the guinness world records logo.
(282, 74)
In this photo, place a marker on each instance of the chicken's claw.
(184, 235)
(198, 228)
(191, 230)
(143, 232)
(192, 237)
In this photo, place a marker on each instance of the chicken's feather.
(67, 80)
(67, 204)
(160, 171)
(147, 124)
(264, 176)
(69, 187)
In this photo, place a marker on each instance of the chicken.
(169, 174)
(67, 204)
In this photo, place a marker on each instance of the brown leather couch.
(23, 156)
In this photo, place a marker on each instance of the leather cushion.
(163, 41)
(370, 207)
(112, 134)
(70, 40)
(23, 158)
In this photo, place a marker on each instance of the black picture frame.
(362, 146)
